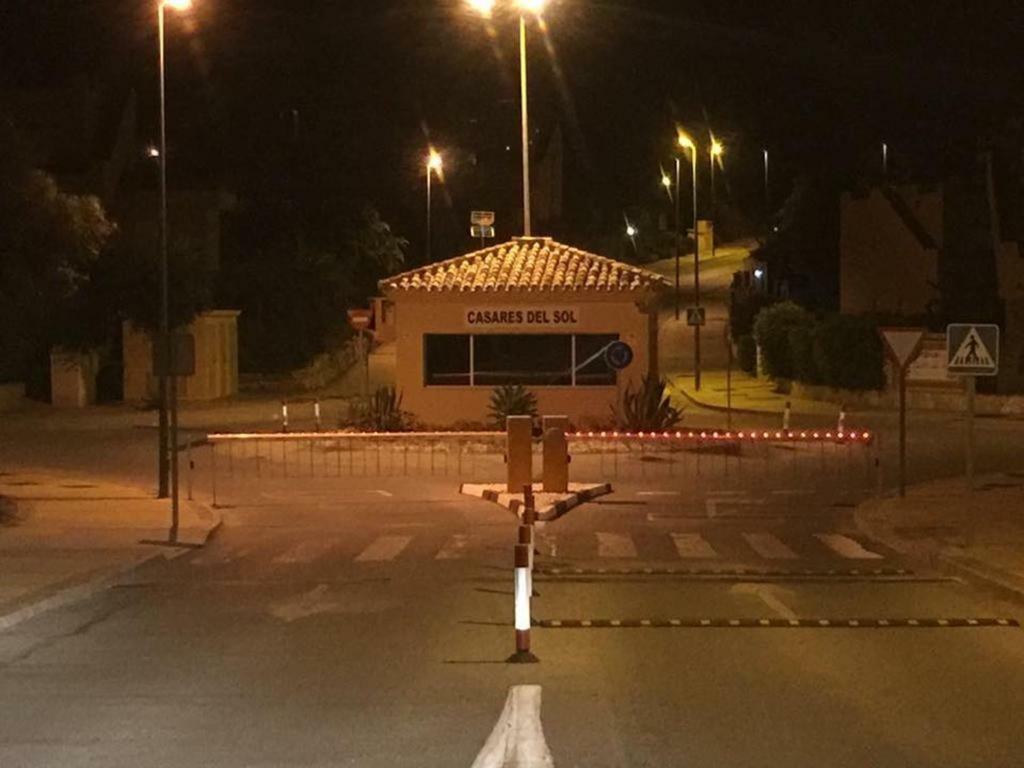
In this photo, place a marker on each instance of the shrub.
(848, 353)
(648, 409)
(383, 412)
(746, 354)
(744, 309)
(511, 400)
(771, 329)
(801, 350)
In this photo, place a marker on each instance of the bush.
(649, 409)
(746, 353)
(383, 412)
(801, 350)
(771, 329)
(511, 400)
(744, 309)
(848, 353)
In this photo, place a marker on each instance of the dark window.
(539, 360)
(591, 368)
(446, 361)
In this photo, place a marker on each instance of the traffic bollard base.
(522, 657)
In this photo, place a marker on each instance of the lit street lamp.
(716, 152)
(168, 383)
(435, 164)
(536, 7)
(685, 142)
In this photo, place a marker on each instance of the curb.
(721, 408)
(549, 513)
(76, 593)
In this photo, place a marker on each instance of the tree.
(49, 242)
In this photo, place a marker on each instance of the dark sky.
(820, 83)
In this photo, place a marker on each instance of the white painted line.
(712, 505)
(455, 548)
(305, 551)
(386, 494)
(769, 546)
(771, 596)
(692, 546)
(726, 492)
(517, 740)
(384, 548)
(846, 547)
(658, 493)
(615, 545)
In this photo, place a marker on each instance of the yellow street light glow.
(716, 148)
(631, 231)
(685, 141)
(533, 6)
(178, 5)
(483, 7)
(434, 161)
(666, 181)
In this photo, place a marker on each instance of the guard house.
(532, 312)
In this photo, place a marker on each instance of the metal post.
(316, 413)
(728, 375)
(786, 415)
(284, 416)
(971, 391)
(903, 431)
(163, 340)
(523, 618)
(696, 277)
(524, 95)
(429, 206)
(175, 505)
(678, 232)
(191, 469)
(213, 472)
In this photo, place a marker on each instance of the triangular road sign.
(903, 344)
(972, 352)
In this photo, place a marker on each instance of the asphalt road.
(365, 622)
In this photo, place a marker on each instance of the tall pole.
(714, 207)
(527, 228)
(696, 278)
(885, 161)
(429, 228)
(678, 233)
(767, 194)
(163, 339)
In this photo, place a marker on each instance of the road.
(365, 621)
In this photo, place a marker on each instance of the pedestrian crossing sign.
(973, 350)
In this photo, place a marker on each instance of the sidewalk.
(749, 395)
(978, 535)
(64, 538)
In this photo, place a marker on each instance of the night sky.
(338, 100)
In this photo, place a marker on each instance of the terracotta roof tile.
(526, 264)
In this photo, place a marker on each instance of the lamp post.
(435, 164)
(168, 383)
(767, 194)
(678, 233)
(685, 142)
(715, 153)
(536, 7)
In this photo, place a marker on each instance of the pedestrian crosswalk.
(579, 546)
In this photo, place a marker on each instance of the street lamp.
(168, 383)
(685, 142)
(716, 152)
(536, 7)
(435, 164)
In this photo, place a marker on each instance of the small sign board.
(482, 219)
(479, 232)
(902, 344)
(696, 316)
(360, 319)
(183, 356)
(618, 355)
(972, 349)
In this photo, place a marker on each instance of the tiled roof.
(526, 264)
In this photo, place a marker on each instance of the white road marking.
(303, 606)
(770, 595)
(388, 494)
(657, 493)
(384, 548)
(692, 546)
(517, 740)
(769, 546)
(455, 548)
(713, 504)
(305, 551)
(615, 545)
(846, 547)
(726, 493)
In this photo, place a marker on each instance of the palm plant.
(648, 408)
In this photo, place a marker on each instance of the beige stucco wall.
(417, 314)
(73, 378)
(883, 267)
(216, 375)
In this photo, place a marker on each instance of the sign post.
(903, 346)
(972, 350)
(482, 226)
